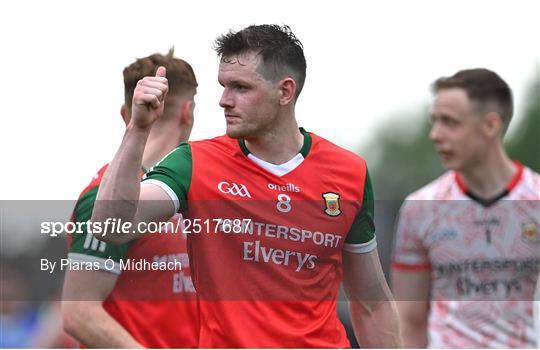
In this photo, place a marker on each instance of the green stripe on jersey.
(85, 243)
(307, 143)
(363, 227)
(85, 205)
(175, 170)
(306, 146)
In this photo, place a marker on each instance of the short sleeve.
(361, 236)
(87, 248)
(410, 252)
(173, 174)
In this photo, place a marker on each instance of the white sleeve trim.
(361, 247)
(113, 268)
(167, 189)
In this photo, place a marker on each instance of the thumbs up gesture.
(149, 99)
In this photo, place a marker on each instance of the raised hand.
(149, 99)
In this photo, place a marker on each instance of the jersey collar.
(486, 202)
(303, 151)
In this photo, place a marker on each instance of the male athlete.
(132, 306)
(467, 246)
(284, 213)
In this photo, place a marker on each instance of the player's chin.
(235, 132)
(451, 163)
(448, 160)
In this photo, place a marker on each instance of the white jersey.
(484, 259)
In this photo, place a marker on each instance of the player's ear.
(186, 112)
(287, 90)
(493, 125)
(124, 112)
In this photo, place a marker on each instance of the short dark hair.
(282, 53)
(179, 74)
(483, 86)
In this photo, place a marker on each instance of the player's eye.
(241, 87)
(450, 122)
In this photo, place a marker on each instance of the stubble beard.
(237, 131)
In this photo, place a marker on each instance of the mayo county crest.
(332, 203)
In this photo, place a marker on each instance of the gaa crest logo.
(529, 232)
(331, 201)
(234, 189)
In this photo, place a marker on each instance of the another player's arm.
(373, 311)
(84, 316)
(84, 291)
(411, 275)
(411, 290)
(120, 195)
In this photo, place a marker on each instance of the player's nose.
(435, 134)
(226, 100)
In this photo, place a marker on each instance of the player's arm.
(411, 274)
(411, 290)
(83, 314)
(120, 195)
(373, 311)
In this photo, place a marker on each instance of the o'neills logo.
(284, 188)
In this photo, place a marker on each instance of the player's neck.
(158, 147)
(491, 176)
(277, 146)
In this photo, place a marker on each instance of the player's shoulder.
(328, 151)
(218, 143)
(417, 206)
(96, 180)
(529, 186)
(443, 187)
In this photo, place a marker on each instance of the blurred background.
(370, 65)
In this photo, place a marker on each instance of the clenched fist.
(149, 99)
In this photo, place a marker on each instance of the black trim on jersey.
(487, 202)
(303, 151)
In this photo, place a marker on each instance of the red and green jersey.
(267, 263)
(157, 307)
